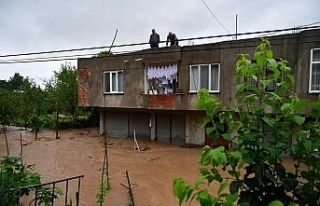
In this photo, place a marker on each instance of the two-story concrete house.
(153, 92)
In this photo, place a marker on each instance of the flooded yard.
(81, 152)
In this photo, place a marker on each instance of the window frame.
(310, 71)
(198, 86)
(253, 84)
(112, 90)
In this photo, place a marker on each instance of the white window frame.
(254, 83)
(197, 87)
(312, 62)
(116, 89)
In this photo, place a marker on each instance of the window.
(253, 83)
(204, 76)
(314, 83)
(113, 82)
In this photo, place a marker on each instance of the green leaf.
(209, 130)
(205, 198)
(276, 203)
(182, 190)
(218, 155)
(285, 106)
(272, 63)
(308, 145)
(269, 121)
(199, 180)
(299, 120)
(234, 186)
(222, 186)
(266, 82)
(204, 171)
(231, 198)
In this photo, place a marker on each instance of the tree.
(67, 89)
(6, 107)
(16, 82)
(39, 99)
(4, 85)
(260, 124)
(28, 101)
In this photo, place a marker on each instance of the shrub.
(261, 124)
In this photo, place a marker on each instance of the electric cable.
(146, 43)
(125, 53)
(214, 16)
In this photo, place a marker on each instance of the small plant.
(104, 188)
(105, 183)
(262, 123)
(15, 178)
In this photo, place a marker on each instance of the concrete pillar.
(195, 132)
(152, 126)
(102, 122)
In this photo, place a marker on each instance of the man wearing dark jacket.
(172, 37)
(154, 39)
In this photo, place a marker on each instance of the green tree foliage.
(262, 125)
(6, 107)
(29, 101)
(4, 85)
(24, 103)
(16, 82)
(103, 53)
(67, 89)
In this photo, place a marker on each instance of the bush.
(261, 124)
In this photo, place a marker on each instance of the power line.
(74, 57)
(214, 16)
(135, 53)
(146, 43)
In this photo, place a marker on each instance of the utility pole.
(57, 108)
(236, 26)
(57, 119)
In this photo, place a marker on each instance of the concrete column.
(102, 122)
(195, 132)
(152, 126)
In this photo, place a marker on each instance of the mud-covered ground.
(81, 152)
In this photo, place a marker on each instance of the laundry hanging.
(162, 71)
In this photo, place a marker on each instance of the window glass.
(120, 81)
(214, 77)
(315, 71)
(194, 80)
(114, 82)
(316, 55)
(315, 80)
(204, 76)
(107, 82)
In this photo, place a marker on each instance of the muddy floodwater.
(81, 152)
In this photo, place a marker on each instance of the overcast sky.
(46, 25)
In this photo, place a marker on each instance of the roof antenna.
(114, 38)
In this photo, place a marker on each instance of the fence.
(52, 185)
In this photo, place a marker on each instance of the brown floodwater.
(81, 152)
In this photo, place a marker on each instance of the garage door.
(171, 128)
(140, 123)
(116, 124)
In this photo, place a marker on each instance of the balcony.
(163, 101)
